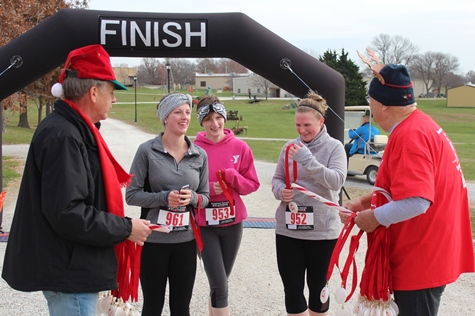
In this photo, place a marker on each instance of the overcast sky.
(316, 26)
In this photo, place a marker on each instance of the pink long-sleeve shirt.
(236, 159)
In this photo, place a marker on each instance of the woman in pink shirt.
(231, 174)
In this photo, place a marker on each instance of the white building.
(216, 81)
(245, 86)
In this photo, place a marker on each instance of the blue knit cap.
(397, 89)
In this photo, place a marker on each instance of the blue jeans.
(71, 304)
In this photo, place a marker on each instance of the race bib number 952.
(301, 220)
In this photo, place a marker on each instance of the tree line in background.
(437, 70)
(153, 72)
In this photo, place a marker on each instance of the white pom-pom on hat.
(57, 90)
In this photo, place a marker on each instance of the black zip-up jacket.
(62, 237)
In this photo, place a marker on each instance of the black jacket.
(62, 237)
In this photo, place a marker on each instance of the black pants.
(294, 258)
(175, 263)
(420, 302)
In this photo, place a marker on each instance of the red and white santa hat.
(89, 62)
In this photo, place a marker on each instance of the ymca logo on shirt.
(235, 159)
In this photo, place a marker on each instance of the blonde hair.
(313, 102)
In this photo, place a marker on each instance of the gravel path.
(255, 285)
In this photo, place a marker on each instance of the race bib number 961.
(178, 219)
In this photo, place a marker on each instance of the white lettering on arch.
(135, 29)
(166, 29)
(105, 31)
(141, 33)
(201, 33)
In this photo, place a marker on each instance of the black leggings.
(221, 245)
(175, 262)
(294, 257)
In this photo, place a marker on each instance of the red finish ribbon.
(320, 198)
(227, 190)
(376, 276)
(196, 227)
(350, 260)
(287, 171)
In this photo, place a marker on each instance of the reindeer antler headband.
(375, 68)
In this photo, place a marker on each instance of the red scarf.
(115, 178)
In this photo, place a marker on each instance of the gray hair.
(75, 88)
(171, 101)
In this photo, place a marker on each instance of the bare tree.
(453, 80)
(394, 50)
(445, 64)
(226, 65)
(381, 44)
(260, 82)
(151, 71)
(470, 77)
(403, 50)
(122, 73)
(39, 93)
(206, 65)
(17, 17)
(423, 67)
(183, 71)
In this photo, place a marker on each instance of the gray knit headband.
(170, 102)
(215, 107)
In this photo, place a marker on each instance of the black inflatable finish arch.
(174, 35)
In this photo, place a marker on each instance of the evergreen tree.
(355, 86)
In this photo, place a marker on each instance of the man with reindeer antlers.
(420, 199)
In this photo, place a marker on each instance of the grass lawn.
(10, 170)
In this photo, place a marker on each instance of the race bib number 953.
(218, 213)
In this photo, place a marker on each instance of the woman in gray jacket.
(305, 239)
(171, 179)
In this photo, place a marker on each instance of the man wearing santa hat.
(69, 219)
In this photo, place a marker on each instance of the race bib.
(302, 220)
(176, 218)
(219, 213)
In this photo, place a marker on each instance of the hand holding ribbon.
(227, 189)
